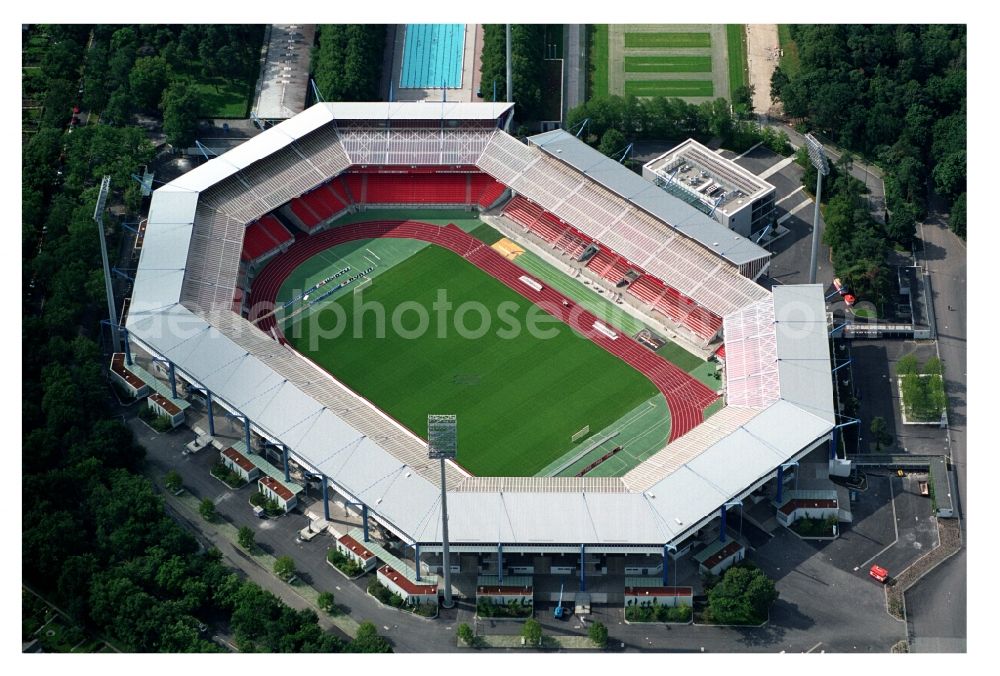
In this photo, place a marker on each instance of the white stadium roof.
(181, 309)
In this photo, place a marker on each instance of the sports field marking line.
(895, 526)
(616, 432)
(377, 258)
(790, 195)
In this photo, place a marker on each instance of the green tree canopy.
(147, 80)
(598, 634)
(181, 104)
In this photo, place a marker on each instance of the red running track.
(686, 397)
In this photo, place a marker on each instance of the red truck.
(879, 573)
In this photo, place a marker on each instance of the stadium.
(606, 447)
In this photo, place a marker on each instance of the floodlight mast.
(817, 156)
(102, 199)
(442, 442)
(510, 84)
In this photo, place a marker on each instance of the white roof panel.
(417, 110)
(803, 347)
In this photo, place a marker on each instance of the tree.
(325, 602)
(207, 509)
(173, 482)
(119, 110)
(147, 80)
(612, 142)
(598, 634)
(956, 220)
(284, 567)
(181, 104)
(933, 367)
(465, 634)
(907, 364)
(742, 596)
(880, 432)
(532, 632)
(367, 640)
(245, 537)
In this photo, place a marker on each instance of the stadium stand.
(486, 190)
(611, 266)
(264, 238)
(608, 266)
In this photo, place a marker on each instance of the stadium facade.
(187, 310)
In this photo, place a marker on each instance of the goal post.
(581, 434)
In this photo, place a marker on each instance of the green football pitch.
(518, 399)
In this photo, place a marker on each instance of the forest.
(347, 61)
(96, 540)
(893, 94)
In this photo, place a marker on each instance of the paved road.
(937, 604)
(869, 175)
(575, 51)
(936, 609)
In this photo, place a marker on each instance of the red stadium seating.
(416, 189)
(264, 237)
(486, 190)
(676, 306)
(304, 213)
(608, 266)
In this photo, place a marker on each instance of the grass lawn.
(598, 60)
(669, 88)
(223, 98)
(485, 233)
(736, 37)
(640, 40)
(668, 64)
(790, 52)
(514, 417)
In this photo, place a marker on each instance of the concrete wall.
(414, 598)
(354, 556)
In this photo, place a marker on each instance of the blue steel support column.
(322, 478)
(284, 464)
(500, 560)
(211, 413)
(173, 379)
(781, 483)
(364, 520)
(666, 567)
(722, 526)
(583, 573)
(246, 433)
(128, 351)
(416, 559)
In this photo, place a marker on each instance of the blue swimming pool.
(432, 56)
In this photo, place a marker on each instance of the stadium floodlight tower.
(817, 155)
(102, 200)
(442, 444)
